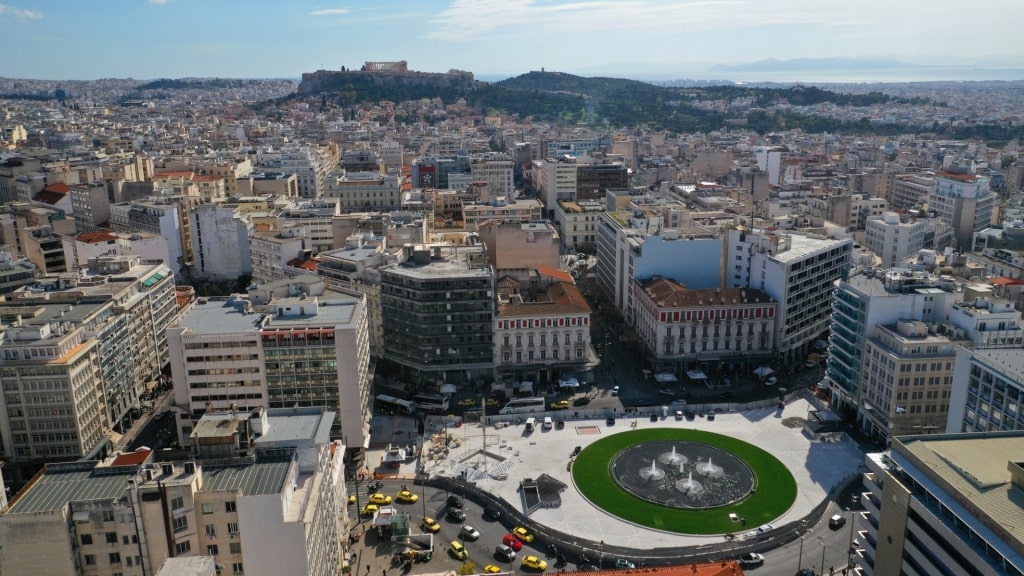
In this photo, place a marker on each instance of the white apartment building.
(577, 223)
(911, 190)
(316, 217)
(267, 500)
(220, 242)
(358, 268)
(147, 246)
(893, 240)
(796, 270)
(772, 160)
(285, 344)
(988, 391)
(503, 210)
(271, 252)
(161, 217)
(311, 165)
(558, 181)
(361, 191)
(965, 202)
(496, 170)
(90, 205)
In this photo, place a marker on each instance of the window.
(177, 503)
(86, 539)
(229, 506)
(108, 515)
(90, 559)
(235, 548)
(111, 537)
(211, 550)
(182, 548)
(233, 528)
(180, 523)
(207, 508)
(236, 568)
(115, 557)
(211, 531)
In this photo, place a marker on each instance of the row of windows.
(507, 356)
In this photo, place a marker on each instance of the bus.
(395, 405)
(523, 406)
(431, 402)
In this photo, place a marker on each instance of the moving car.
(765, 528)
(751, 559)
(560, 405)
(467, 402)
(458, 550)
(430, 524)
(456, 514)
(492, 514)
(623, 564)
(534, 563)
(667, 392)
(380, 499)
(491, 569)
(615, 390)
(581, 401)
(505, 553)
(490, 402)
(407, 496)
(469, 533)
(369, 510)
(771, 381)
(836, 521)
(523, 534)
(512, 542)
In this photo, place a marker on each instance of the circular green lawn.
(775, 493)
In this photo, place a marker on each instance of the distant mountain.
(811, 65)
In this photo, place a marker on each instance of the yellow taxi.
(380, 499)
(407, 496)
(458, 550)
(523, 534)
(430, 524)
(534, 563)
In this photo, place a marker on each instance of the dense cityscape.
(377, 319)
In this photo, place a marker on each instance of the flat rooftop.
(267, 475)
(74, 481)
(1007, 360)
(286, 426)
(217, 316)
(803, 246)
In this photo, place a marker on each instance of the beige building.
(525, 210)
(515, 248)
(907, 378)
(271, 252)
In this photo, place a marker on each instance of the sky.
(89, 39)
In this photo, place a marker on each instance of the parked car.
(534, 563)
(679, 414)
(610, 421)
(771, 381)
(678, 403)
(615, 390)
(455, 501)
(559, 424)
(623, 564)
(751, 559)
(765, 528)
(492, 514)
(467, 402)
(836, 521)
(667, 392)
(491, 569)
(456, 514)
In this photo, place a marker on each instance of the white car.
(771, 381)
(469, 533)
(751, 559)
(765, 528)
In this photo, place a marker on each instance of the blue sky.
(87, 39)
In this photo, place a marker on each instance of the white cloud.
(20, 13)
(330, 12)
(158, 2)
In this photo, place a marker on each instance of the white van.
(548, 424)
(530, 423)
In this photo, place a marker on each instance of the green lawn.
(776, 488)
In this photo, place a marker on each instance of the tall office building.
(965, 202)
(438, 313)
(945, 504)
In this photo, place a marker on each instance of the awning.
(763, 371)
(668, 377)
(696, 375)
(569, 383)
(448, 388)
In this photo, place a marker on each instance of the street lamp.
(800, 561)
(821, 570)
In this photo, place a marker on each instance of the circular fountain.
(721, 477)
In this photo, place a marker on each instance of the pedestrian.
(385, 571)
(367, 570)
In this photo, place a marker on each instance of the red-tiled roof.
(303, 263)
(132, 458)
(206, 178)
(1003, 281)
(59, 187)
(50, 197)
(165, 175)
(96, 237)
(666, 293)
(560, 275)
(960, 177)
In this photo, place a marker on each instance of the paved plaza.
(514, 455)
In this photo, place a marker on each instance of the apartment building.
(500, 209)
(944, 504)
(894, 240)
(15, 273)
(988, 391)
(361, 191)
(433, 171)
(541, 332)
(965, 202)
(357, 268)
(682, 328)
(577, 223)
(495, 169)
(438, 314)
(911, 190)
(316, 217)
(594, 179)
(311, 166)
(148, 247)
(90, 205)
(557, 182)
(165, 216)
(10, 170)
(515, 248)
(284, 344)
(798, 271)
(263, 505)
(271, 253)
(907, 379)
(49, 250)
(865, 300)
(220, 242)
